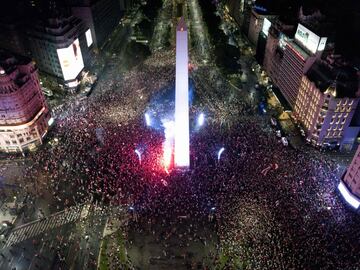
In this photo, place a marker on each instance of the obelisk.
(182, 156)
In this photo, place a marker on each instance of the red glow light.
(167, 156)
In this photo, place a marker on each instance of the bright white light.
(266, 27)
(182, 145)
(89, 40)
(147, 119)
(138, 154)
(307, 38)
(73, 84)
(201, 119)
(71, 60)
(220, 152)
(51, 121)
(351, 199)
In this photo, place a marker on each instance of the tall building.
(256, 25)
(245, 16)
(326, 103)
(24, 115)
(100, 16)
(182, 152)
(279, 33)
(262, 39)
(12, 37)
(58, 45)
(299, 55)
(350, 184)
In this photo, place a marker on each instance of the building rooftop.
(61, 30)
(13, 68)
(344, 79)
(304, 54)
(9, 61)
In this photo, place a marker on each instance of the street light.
(201, 119)
(138, 154)
(220, 152)
(147, 119)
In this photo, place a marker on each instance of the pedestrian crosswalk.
(35, 228)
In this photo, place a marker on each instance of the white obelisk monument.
(182, 156)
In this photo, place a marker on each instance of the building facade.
(352, 175)
(100, 16)
(58, 45)
(349, 186)
(325, 105)
(24, 114)
(255, 26)
(294, 64)
(286, 59)
(278, 36)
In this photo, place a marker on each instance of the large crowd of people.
(270, 206)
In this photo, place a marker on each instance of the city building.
(245, 16)
(278, 35)
(24, 115)
(12, 37)
(256, 24)
(59, 47)
(262, 40)
(100, 16)
(350, 184)
(299, 55)
(325, 105)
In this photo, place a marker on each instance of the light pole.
(147, 119)
(201, 119)
(138, 154)
(222, 149)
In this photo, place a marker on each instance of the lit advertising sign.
(307, 38)
(351, 199)
(322, 44)
(73, 84)
(71, 60)
(88, 36)
(266, 27)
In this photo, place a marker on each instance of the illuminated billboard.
(322, 44)
(266, 26)
(308, 39)
(88, 36)
(71, 60)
